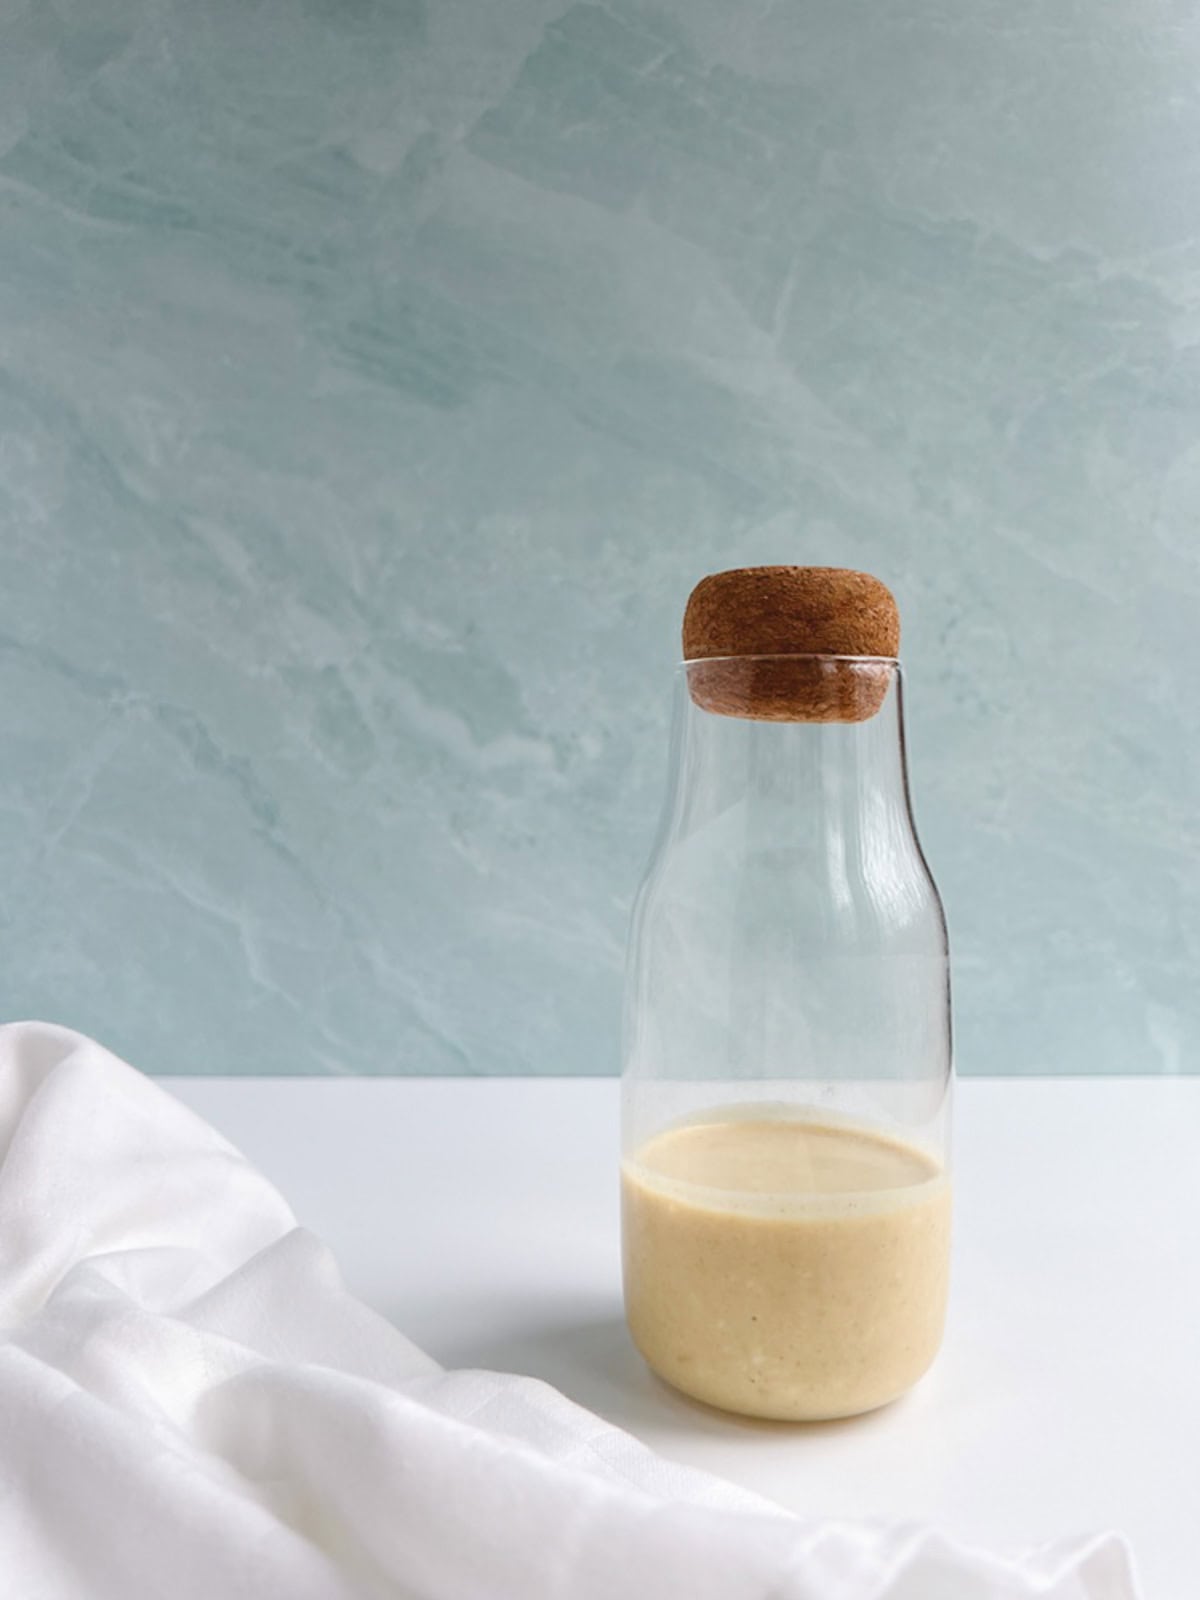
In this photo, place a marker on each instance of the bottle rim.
(795, 655)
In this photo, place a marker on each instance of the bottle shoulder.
(804, 896)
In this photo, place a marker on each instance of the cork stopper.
(760, 640)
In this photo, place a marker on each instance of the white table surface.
(481, 1217)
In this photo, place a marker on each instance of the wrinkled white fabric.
(193, 1407)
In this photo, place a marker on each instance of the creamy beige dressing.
(783, 1268)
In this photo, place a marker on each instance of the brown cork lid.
(741, 627)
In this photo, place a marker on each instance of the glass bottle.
(787, 1073)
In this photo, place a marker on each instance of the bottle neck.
(834, 788)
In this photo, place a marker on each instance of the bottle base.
(768, 1407)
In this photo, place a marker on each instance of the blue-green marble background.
(375, 380)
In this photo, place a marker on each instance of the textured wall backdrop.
(375, 380)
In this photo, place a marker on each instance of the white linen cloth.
(193, 1407)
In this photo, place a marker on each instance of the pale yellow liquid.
(783, 1268)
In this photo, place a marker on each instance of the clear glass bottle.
(787, 1074)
